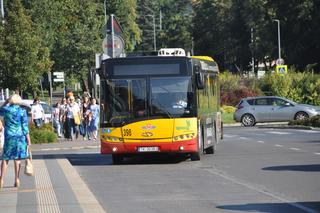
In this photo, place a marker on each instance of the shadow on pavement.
(275, 207)
(300, 168)
(103, 160)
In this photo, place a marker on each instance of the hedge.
(301, 87)
(313, 122)
(45, 134)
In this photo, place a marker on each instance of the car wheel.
(248, 120)
(301, 116)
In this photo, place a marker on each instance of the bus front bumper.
(188, 146)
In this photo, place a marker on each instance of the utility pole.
(2, 11)
(252, 50)
(154, 32)
(279, 47)
(112, 36)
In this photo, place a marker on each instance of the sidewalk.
(64, 144)
(55, 187)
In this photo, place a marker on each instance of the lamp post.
(2, 10)
(154, 33)
(279, 48)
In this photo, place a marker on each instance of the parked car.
(254, 110)
(26, 104)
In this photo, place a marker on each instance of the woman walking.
(94, 112)
(16, 139)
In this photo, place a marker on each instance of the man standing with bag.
(37, 113)
(17, 138)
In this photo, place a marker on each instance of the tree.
(177, 24)
(23, 57)
(72, 31)
(147, 10)
(125, 11)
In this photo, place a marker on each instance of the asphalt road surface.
(253, 170)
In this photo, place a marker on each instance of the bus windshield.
(126, 100)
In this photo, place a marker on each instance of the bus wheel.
(195, 156)
(117, 159)
(210, 150)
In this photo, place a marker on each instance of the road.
(253, 170)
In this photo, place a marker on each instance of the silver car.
(271, 109)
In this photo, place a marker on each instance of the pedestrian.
(37, 113)
(94, 113)
(56, 119)
(63, 110)
(73, 118)
(84, 121)
(1, 135)
(17, 138)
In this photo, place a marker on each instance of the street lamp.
(154, 33)
(279, 48)
(2, 10)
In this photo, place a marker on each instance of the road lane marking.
(280, 133)
(260, 141)
(243, 138)
(229, 136)
(278, 145)
(293, 148)
(308, 131)
(261, 190)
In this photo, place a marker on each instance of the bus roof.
(205, 58)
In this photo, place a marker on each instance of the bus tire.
(195, 156)
(117, 158)
(210, 150)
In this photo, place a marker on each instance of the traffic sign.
(280, 61)
(118, 45)
(59, 77)
(58, 80)
(281, 69)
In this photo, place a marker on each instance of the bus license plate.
(148, 149)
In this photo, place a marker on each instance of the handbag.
(28, 170)
(76, 118)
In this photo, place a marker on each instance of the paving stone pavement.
(55, 187)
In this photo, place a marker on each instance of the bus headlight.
(111, 139)
(184, 137)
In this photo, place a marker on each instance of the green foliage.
(176, 24)
(125, 11)
(227, 118)
(23, 57)
(146, 10)
(228, 109)
(45, 134)
(299, 87)
(233, 88)
(222, 29)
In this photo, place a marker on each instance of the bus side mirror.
(102, 70)
(200, 80)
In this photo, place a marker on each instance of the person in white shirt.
(72, 114)
(37, 113)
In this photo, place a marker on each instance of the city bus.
(168, 103)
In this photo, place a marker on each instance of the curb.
(279, 125)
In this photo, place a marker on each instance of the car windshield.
(127, 100)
